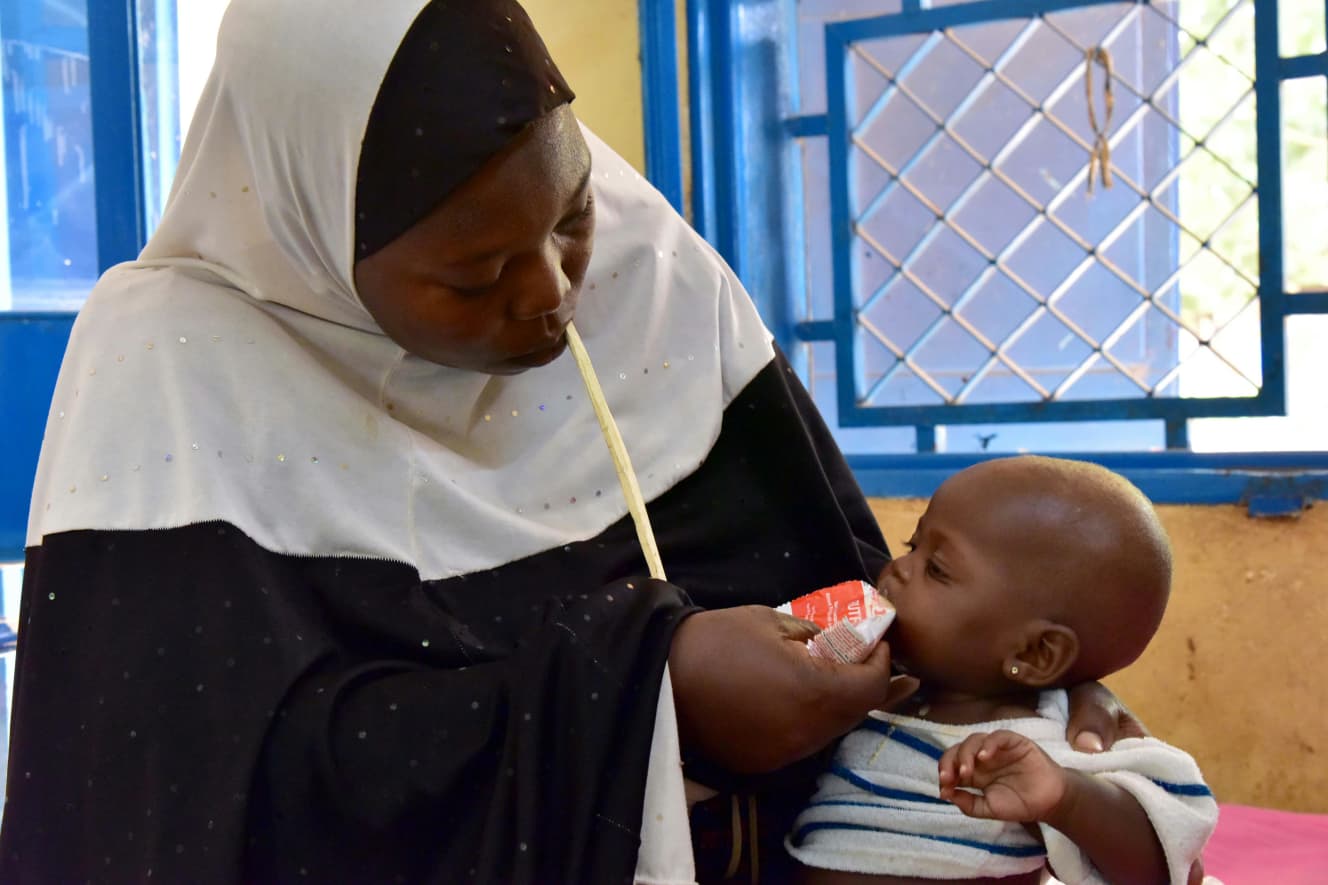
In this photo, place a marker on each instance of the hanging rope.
(1099, 159)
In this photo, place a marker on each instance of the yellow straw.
(636, 505)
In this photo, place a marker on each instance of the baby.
(1024, 576)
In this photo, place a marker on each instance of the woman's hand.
(751, 699)
(1098, 719)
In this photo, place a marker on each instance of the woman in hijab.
(328, 574)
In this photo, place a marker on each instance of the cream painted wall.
(1236, 674)
(595, 43)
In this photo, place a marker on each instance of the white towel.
(877, 810)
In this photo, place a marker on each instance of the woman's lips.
(542, 356)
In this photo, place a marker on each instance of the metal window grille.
(975, 279)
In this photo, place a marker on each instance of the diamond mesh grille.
(984, 270)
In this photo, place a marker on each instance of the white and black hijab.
(232, 374)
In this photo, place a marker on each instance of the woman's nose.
(544, 286)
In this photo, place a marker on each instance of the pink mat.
(1259, 846)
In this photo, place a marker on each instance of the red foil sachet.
(852, 616)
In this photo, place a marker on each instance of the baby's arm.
(1019, 782)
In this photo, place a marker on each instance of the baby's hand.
(1017, 780)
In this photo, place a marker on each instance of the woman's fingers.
(747, 692)
(1127, 724)
(855, 690)
(901, 689)
(798, 629)
(751, 698)
(1098, 719)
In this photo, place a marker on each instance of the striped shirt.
(877, 808)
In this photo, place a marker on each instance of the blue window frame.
(754, 127)
(659, 99)
(76, 203)
(1111, 281)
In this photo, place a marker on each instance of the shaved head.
(1079, 545)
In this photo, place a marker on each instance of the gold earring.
(1014, 671)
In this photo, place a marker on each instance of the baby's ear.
(1044, 655)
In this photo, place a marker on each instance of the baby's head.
(1028, 573)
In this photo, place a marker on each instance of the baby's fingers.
(963, 800)
(999, 749)
(965, 762)
(948, 770)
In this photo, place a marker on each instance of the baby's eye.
(911, 545)
(935, 571)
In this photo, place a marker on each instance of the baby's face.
(956, 593)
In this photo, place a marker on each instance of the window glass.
(48, 245)
(1301, 26)
(1304, 428)
(48, 248)
(1305, 183)
(984, 271)
(177, 44)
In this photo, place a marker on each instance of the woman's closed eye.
(577, 220)
(470, 277)
(483, 278)
(473, 288)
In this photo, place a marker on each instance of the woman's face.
(490, 279)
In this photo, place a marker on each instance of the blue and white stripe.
(877, 808)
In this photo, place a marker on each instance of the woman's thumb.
(901, 689)
(870, 683)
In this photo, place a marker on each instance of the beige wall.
(596, 45)
(1237, 674)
